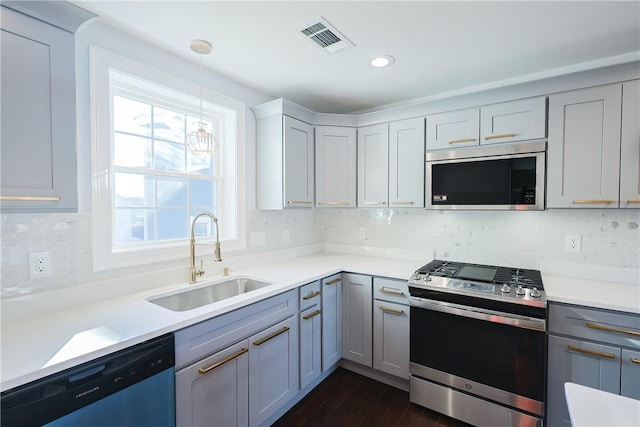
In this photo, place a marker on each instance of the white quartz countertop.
(36, 346)
(597, 408)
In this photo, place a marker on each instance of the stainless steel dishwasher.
(131, 387)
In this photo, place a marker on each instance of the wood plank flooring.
(349, 399)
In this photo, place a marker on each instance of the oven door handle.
(480, 314)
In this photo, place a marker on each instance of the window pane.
(134, 225)
(131, 151)
(168, 124)
(168, 156)
(132, 189)
(202, 165)
(173, 224)
(131, 116)
(204, 226)
(172, 192)
(202, 193)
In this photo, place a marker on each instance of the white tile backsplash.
(523, 239)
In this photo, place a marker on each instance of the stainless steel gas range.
(478, 343)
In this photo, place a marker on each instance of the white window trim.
(104, 258)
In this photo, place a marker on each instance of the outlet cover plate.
(40, 265)
(573, 243)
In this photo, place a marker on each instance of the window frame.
(232, 208)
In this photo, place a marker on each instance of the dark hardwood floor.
(349, 399)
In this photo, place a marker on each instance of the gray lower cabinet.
(357, 325)
(331, 320)
(592, 347)
(310, 319)
(391, 326)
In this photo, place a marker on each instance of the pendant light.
(201, 142)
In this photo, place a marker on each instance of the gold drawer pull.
(390, 292)
(375, 203)
(314, 314)
(504, 135)
(592, 353)
(458, 141)
(390, 310)
(32, 198)
(635, 202)
(333, 282)
(273, 335)
(298, 202)
(223, 361)
(332, 203)
(401, 203)
(636, 361)
(592, 202)
(313, 295)
(606, 329)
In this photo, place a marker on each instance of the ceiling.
(439, 47)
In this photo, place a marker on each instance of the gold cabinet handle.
(635, 202)
(313, 295)
(314, 314)
(333, 282)
(32, 198)
(458, 141)
(298, 202)
(273, 335)
(636, 361)
(504, 135)
(592, 202)
(592, 353)
(375, 203)
(390, 310)
(334, 203)
(607, 329)
(401, 203)
(391, 292)
(223, 361)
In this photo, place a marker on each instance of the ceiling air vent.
(326, 36)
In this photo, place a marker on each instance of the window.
(150, 186)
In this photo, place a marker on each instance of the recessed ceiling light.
(381, 61)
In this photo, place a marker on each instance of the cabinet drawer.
(612, 327)
(212, 335)
(309, 295)
(391, 290)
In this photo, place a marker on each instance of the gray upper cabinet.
(335, 167)
(584, 148)
(513, 121)
(38, 138)
(406, 163)
(453, 129)
(373, 166)
(630, 146)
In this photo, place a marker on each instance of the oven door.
(497, 356)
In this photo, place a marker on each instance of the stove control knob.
(505, 289)
(520, 291)
(535, 293)
(416, 276)
(427, 278)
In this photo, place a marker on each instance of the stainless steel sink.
(194, 298)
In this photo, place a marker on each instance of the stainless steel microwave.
(491, 177)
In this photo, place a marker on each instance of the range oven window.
(501, 356)
(510, 181)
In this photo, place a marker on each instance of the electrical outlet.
(40, 265)
(362, 233)
(573, 243)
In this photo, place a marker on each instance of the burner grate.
(518, 276)
(441, 268)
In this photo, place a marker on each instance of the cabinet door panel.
(406, 163)
(630, 146)
(513, 121)
(373, 166)
(335, 167)
(298, 163)
(446, 131)
(356, 318)
(310, 345)
(273, 369)
(331, 321)
(592, 365)
(391, 338)
(219, 397)
(630, 377)
(584, 148)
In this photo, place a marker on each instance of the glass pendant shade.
(201, 142)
